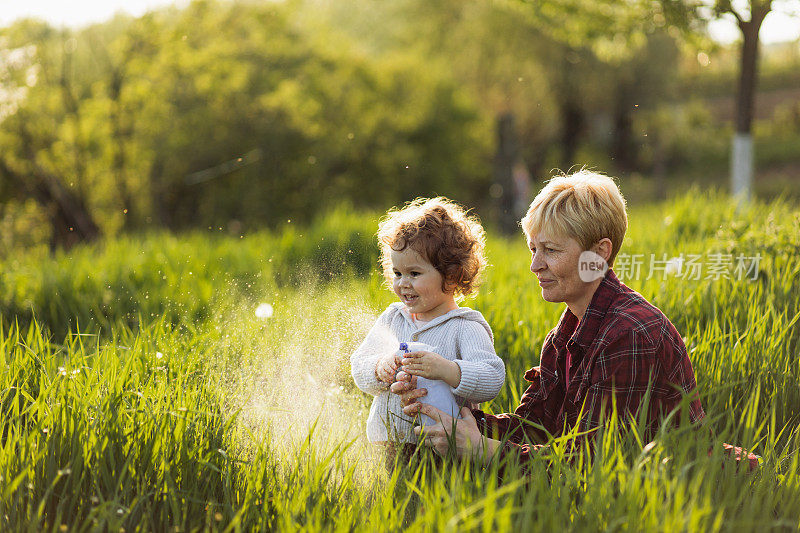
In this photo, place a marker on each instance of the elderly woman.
(610, 345)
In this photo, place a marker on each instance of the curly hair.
(443, 233)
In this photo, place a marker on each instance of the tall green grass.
(138, 389)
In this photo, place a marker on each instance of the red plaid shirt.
(622, 346)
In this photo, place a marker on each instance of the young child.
(432, 254)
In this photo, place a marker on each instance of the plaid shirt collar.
(588, 328)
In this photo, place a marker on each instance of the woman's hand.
(432, 366)
(386, 369)
(466, 437)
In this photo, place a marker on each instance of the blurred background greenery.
(233, 116)
(229, 155)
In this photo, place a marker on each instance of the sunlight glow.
(778, 26)
(78, 13)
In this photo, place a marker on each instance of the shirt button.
(414, 337)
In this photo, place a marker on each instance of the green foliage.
(234, 113)
(168, 403)
(134, 279)
(246, 114)
(684, 137)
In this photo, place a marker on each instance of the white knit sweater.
(461, 335)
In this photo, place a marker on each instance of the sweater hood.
(464, 313)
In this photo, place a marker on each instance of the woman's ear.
(603, 248)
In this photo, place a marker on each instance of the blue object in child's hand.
(440, 394)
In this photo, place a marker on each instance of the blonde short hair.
(586, 206)
(443, 233)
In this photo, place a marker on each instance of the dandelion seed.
(674, 266)
(159, 355)
(218, 517)
(264, 311)
(62, 371)
(95, 500)
(120, 511)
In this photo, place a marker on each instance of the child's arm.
(482, 371)
(377, 345)
(478, 376)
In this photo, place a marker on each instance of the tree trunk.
(72, 109)
(622, 147)
(742, 148)
(159, 196)
(120, 133)
(572, 120)
(70, 219)
(504, 160)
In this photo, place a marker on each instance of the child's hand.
(386, 369)
(432, 366)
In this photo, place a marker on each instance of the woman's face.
(554, 260)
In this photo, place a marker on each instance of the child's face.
(419, 285)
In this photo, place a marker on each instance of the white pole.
(742, 166)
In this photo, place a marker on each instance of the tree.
(749, 17)
(135, 116)
(38, 162)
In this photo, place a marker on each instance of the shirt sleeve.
(378, 343)
(521, 435)
(526, 423)
(482, 371)
(619, 382)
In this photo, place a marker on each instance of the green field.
(140, 391)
